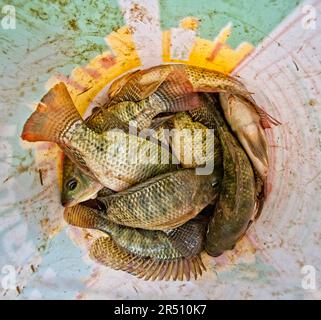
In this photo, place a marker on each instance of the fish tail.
(55, 114)
(189, 238)
(85, 217)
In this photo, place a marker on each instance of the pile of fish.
(174, 164)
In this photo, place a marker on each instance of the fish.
(78, 186)
(245, 123)
(237, 203)
(130, 249)
(105, 251)
(163, 202)
(115, 158)
(145, 97)
(180, 79)
(205, 114)
(194, 144)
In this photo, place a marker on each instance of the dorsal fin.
(104, 250)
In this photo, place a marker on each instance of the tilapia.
(78, 186)
(148, 254)
(163, 202)
(237, 200)
(245, 122)
(115, 158)
(245, 117)
(180, 79)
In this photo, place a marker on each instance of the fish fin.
(188, 239)
(175, 84)
(150, 270)
(187, 270)
(193, 270)
(266, 120)
(54, 115)
(119, 83)
(200, 262)
(163, 271)
(158, 270)
(185, 102)
(150, 80)
(197, 266)
(174, 274)
(83, 217)
(256, 146)
(180, 272)
(176, 93)
(176, 269)
(169, 270)
(105, 251)
(159, 121)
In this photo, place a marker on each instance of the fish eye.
(72, 184)
(101, 206)
(215, 183)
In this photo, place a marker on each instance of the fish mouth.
(84, 197)
(68, 202)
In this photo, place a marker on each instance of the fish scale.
(144, 253)
(163, 202)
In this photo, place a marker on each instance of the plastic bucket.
(273, 46)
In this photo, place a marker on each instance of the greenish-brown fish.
(179, 79)
(242, 113)
(237, 200)
(148, 254)
(163, 202)
(115, 158)
(78, 186)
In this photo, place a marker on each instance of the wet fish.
(180, 79)
(78, 186)
(163, 202)
(194, 144)
(107, 156)
(149, 254)
(236, 204)
(245, 122)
